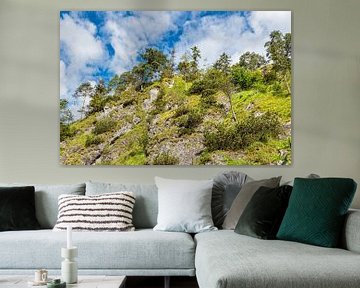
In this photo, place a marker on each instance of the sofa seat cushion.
(141, 249)
(226, 259)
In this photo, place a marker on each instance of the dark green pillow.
(264, 212)
(17, 208)
(316, 211)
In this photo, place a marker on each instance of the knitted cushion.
(105, 212)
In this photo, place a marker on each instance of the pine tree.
(251, 61)
(278, 50)
(83, 92)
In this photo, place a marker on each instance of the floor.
(158, 282)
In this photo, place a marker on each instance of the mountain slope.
(164, 124)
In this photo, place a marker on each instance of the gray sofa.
(218, 259)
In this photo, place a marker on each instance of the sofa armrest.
(351, 234)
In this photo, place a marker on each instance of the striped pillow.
(105, 212)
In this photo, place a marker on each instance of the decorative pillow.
(243, 198)
(106, 212)
(146, 205)
(263, 215)
(17, 208)
(226, 187)
(46, 200)
(184, 205)
(317, 209)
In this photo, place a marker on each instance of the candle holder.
(69, 271)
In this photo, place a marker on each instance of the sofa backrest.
(146, 203)
(46, 200)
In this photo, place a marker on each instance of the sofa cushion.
(317, 209)
(225, 259)
(142, 249)
(105, 212)
(243, 198)
(225, 189)
(46, 200)
(263, 215)
(350, 239)
(146, 205)
(17, 208)
(184, 205)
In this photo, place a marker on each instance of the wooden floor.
(158, 282)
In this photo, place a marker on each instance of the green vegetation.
(104, 125)
(230, 113)
(240, 135)
(93, 140)
(166, 159)
(187, 120)
(66, 117)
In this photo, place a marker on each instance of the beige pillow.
(243, 198)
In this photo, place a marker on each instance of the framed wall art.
(175, 87)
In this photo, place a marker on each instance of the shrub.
(182, 110)
(104, 125)
(205, 158)
(208, 85)
(159, 103)
(188, 122)
(66, 131)
(129, 102)
(144, 140)
(277, 89)
(245, 78)
(261, 88)
(241, 135)
(92, 139)
(166, 158)
(197, 87)
(97, 103)
(207, 100)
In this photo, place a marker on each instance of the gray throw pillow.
(184, 205)
(242, 199)
(46, 200)
(226, 187)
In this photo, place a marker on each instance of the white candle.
(69, 237)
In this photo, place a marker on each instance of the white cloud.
(264, 22)
(84, 52)
(79, 37)
(130, 34)
(215, 35)
(81, 53)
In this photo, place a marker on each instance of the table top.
(84, 281)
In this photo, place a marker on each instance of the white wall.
(326, 100)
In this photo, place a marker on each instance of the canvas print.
(175, 87)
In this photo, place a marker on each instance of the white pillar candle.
(69, 237)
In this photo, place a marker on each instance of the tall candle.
(69, 237)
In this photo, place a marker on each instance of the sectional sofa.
(219, 259)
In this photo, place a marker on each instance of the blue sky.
(100, 44)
